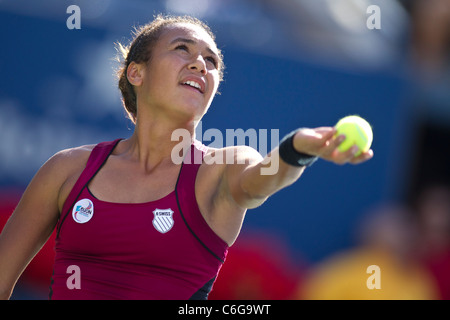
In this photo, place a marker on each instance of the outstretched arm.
(250, 187)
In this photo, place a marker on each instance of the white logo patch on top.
(163, 220)
(83, 211)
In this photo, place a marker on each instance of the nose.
(199, 64)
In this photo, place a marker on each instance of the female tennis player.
(132, 223)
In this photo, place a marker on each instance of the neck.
(154, 140)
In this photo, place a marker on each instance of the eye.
(182, 47)
(212, 60)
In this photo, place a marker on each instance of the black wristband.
(291, 156)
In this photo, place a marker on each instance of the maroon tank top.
(162, 249)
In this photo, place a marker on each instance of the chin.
(192, 110)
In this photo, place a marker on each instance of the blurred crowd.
(409, 244)
(430, 38)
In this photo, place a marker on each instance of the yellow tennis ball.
(357, 131)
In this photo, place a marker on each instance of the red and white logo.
(83, 211)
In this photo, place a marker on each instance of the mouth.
(196, 85)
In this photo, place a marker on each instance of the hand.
(321, 142)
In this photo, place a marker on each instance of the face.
(182, 75)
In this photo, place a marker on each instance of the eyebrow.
(190, 41)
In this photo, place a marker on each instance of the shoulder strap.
(188, 207)
(96, 160)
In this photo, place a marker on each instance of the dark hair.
(140, 51)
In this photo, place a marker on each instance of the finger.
(326, 132)
(343, 157)
(332, 144)
(309, 133)
(336, 141)
(363, 157)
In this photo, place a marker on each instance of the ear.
(135, 73)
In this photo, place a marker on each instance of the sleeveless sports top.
(162, 249)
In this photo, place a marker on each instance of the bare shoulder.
(69, 160)
(246, 154)
(221, 168)
(64, 168)
(232, 155)
(77, 154)
(218, 161)
(63, 164)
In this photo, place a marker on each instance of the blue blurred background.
(289, 64)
